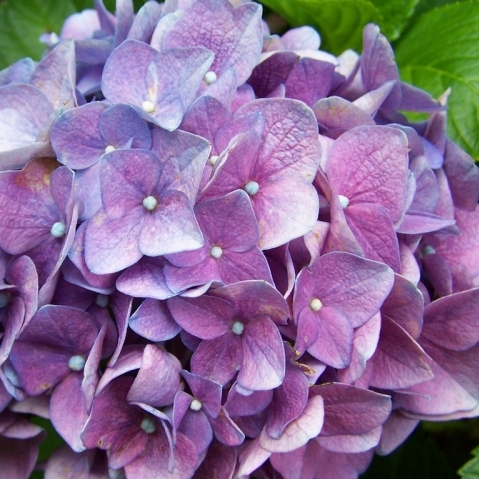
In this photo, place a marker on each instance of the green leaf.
(439, 51)
(83, 4)
(425, 5)
(395, 15)
(23, 22)
(340, 22)
(470, 470)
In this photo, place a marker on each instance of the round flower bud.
(216, 252)
(148, 425)
(58, 229)
(238, 327)
(196, 405)
(150, 203)
(102, 300)
(76, 363)
(210, 77)
(315, 304)
(109, 149)
(343, 201)
(148, 106)
(251, 188)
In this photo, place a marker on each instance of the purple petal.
(254, 298)
(158, 379)
(186, 155)
(349, 283)
(463, 176)
(154, 461)
(127, 66)
(370, 148)
(289, 142)
(171, 228)
(335, 113)
(12, 323)
(195, 426)
(286, 208)
(374, 232)
(205, 317)
(219, 220)
(405, 306)
(145, 21)
(218, 359)
(288, 402)
(239, 405)
(205, 390)
(399, 362)
(451, 322)
(145, 279)
(129, 360)
(448, 392)
(395, 431)
(205, 117)
(298, 432)
(365, 340)
(350, 410)
(378, 65)
(225, 430)
(68, 411)
(63, 463)
(105, 237)
(55, 75)
(351, 443)
(309, 80)
(18, 455)
(75, 136)
(56, 333)
(169, 96)
(220, 461)
(334, 337)
(153, 321)
(240, 48)
(301, 38)
(263, 365)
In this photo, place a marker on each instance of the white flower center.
(148, 425)
(216, 252)
(210, 77)
(58, 229)
(343, 201)
(148, 106)
(315, 304)
(238, 327)
(196, 405)
(213, 159)
(150, 203)
(109, 149)
(76, 363)
(102, 300)
(4, 298)
(251, 188)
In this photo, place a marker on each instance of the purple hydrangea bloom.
(150, 216)
(217, 245)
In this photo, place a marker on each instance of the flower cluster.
(226, 253)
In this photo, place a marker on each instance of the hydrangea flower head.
(225, 253)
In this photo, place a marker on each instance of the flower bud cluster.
(226, 253)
